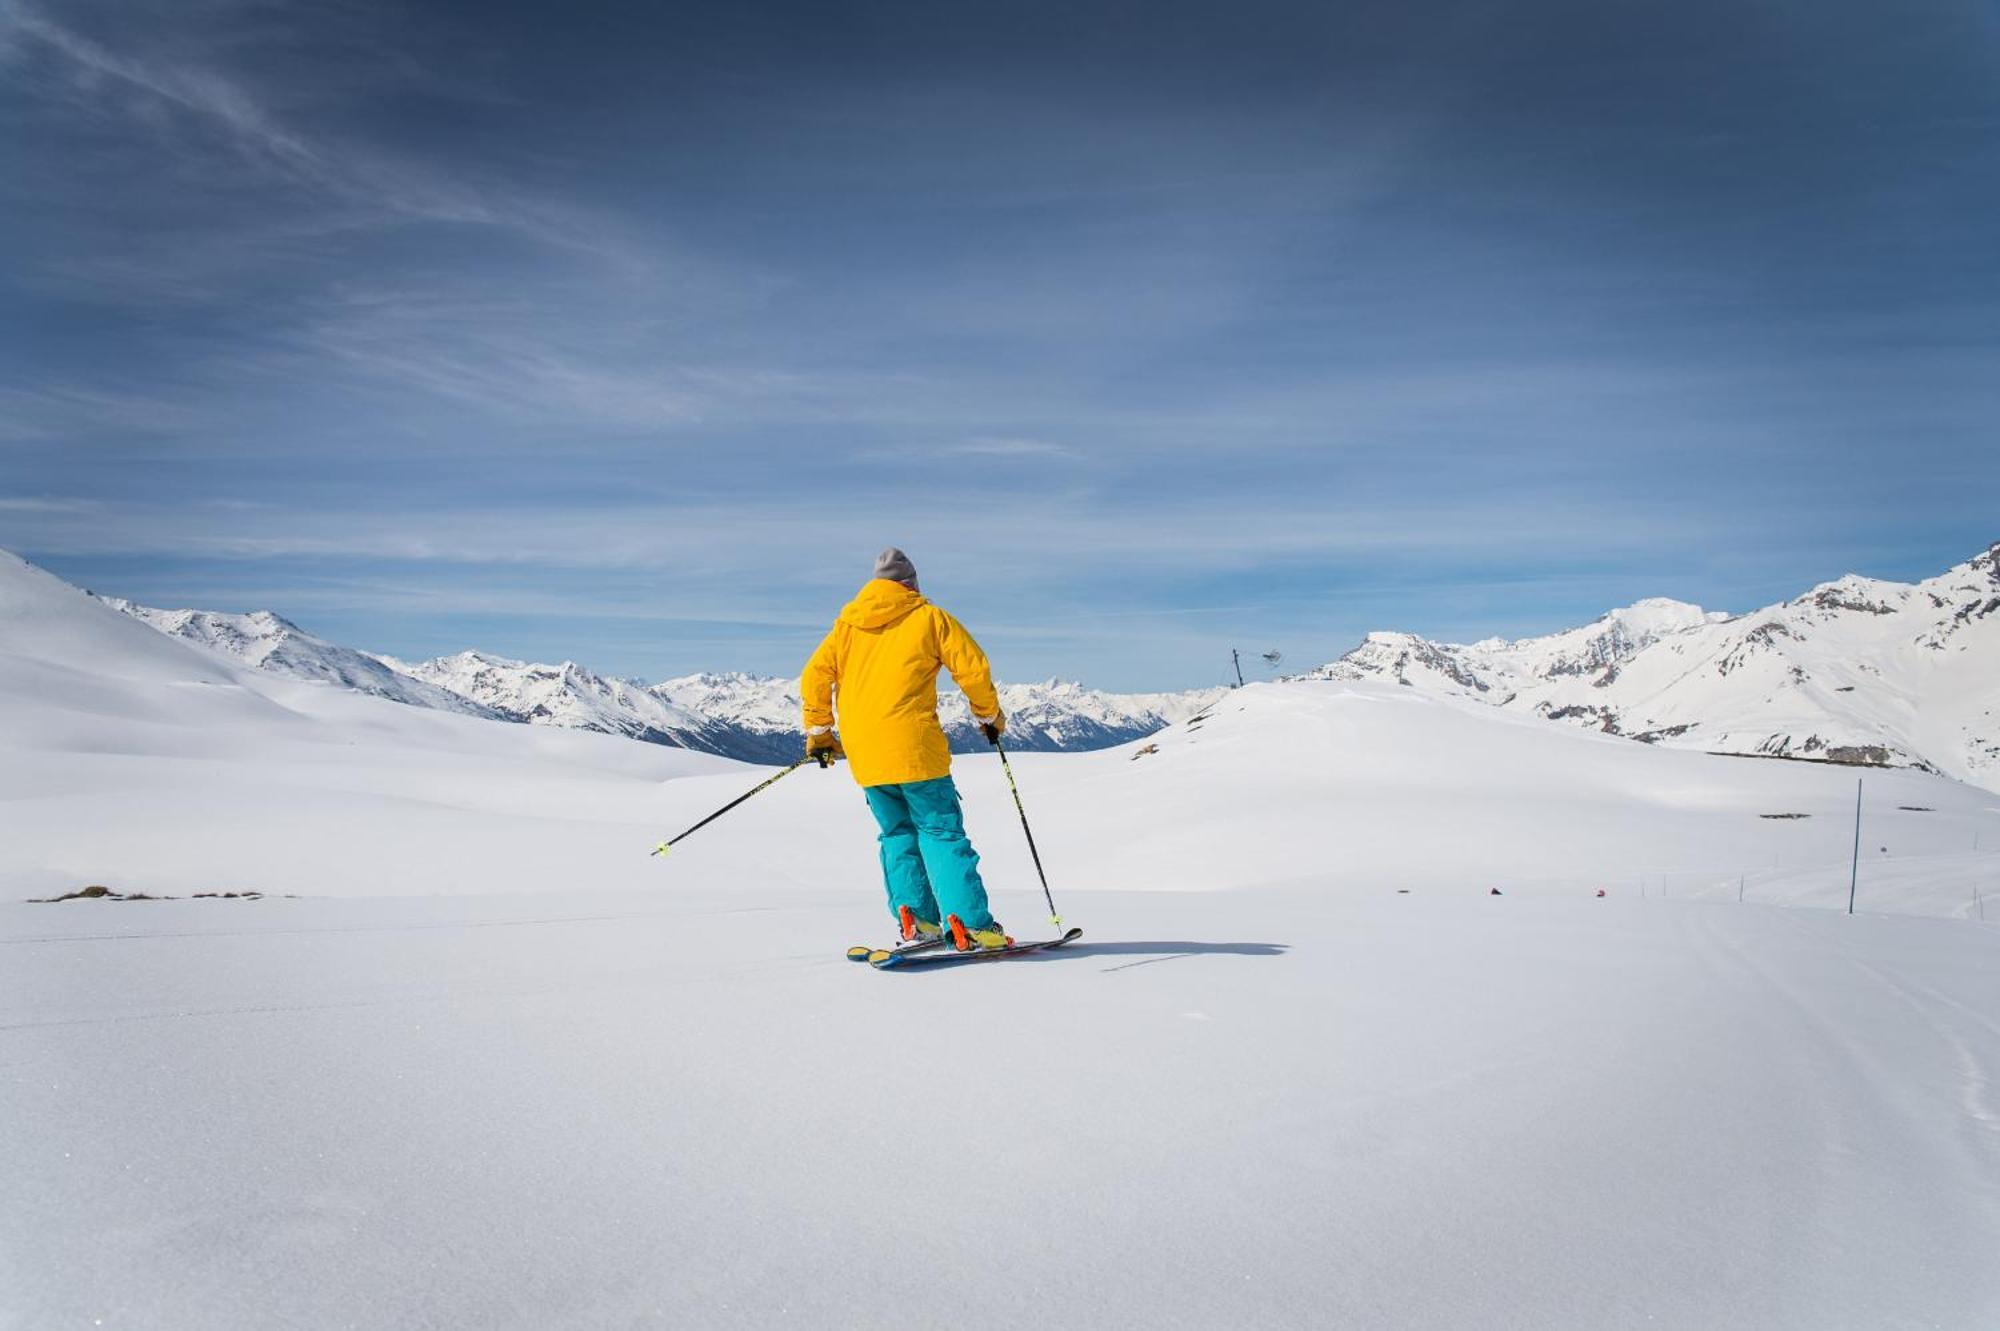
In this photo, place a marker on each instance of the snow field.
(1268, 1108)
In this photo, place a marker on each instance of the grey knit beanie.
(894, 565)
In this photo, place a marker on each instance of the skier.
(881, 661)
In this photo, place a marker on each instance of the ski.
(937, 955)
(863, 952)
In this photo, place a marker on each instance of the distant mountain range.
(1857, 670)
(1854, 671)
(750, 717)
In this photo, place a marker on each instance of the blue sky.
(628, 332)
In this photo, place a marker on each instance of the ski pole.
(1008, 768)
(765, 784)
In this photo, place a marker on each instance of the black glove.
(824, 748)
(994, 728)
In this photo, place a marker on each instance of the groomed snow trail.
(1264, 1107)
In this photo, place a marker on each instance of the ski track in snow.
(1867, 1068)
(1949, 1018)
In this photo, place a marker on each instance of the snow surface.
(1262, 1109)
(500, 1068)
(139, 758)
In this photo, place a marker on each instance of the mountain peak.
(1852, 591)
(1657, 614)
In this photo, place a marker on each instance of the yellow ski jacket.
(881, 662)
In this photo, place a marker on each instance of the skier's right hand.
(823, 748)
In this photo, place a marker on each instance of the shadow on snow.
(1151, 952)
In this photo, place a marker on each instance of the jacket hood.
(879, 604)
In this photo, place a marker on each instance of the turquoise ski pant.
(927, 864)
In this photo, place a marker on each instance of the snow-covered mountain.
(275, 644)
(756, 717)
(1054, 715)
(573, 697)
(750, 717)
(1857, 670)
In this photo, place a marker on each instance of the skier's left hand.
(993, 727)
(823, 748)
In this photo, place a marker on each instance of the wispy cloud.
(99, 72)
(993, 446)
(156, 90)
(776, 537)
(78, 412)
(31, 504)
(996, 448)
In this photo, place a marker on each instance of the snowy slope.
(130, 755)
(1252, 1109)
(1856, 671)
(192, 772)
(503, 1069)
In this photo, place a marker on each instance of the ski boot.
(916, 930)
(990, 939)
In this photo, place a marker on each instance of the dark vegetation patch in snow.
(99, 892)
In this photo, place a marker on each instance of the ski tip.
(860, 952)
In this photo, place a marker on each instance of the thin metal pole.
(1739, 886)
(1008, 768)
(1854, 870)
(765, 784)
